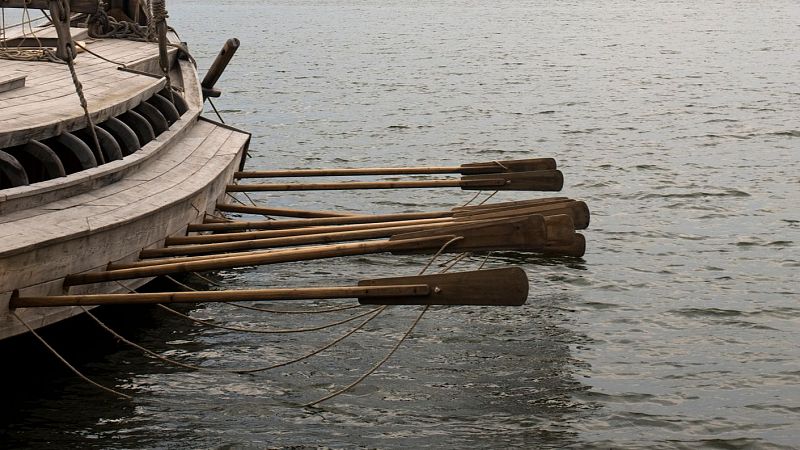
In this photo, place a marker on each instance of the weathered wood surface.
(25, 199)
(86, 232)
(492, 287)
(11, 80)
(48, 105)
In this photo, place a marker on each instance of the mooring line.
(451, 263)
(485, 260)
(443, 247)
(321, 349)
(256, 308)
(240, 371)
(150, 352)
(488, 198)
(265, 331)
(276, 311)
(399, 342)
(472, 199)
(66, 363)
(376, 366)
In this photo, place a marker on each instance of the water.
(676, 121)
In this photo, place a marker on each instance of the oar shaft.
(297, 223)
(286, 241)
(354, 172)
(218, 263)
(358, 185)
(280, 212)
(404, 290)
(249, 235)
(464, 169)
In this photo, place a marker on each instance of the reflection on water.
(675, 121)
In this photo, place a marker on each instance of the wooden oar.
(206, 263)
(520, 165)
(360, 219)
(285, 241)
(495, 287)
(295, 223)
(280, 212)
(522, 234)
(557, 228)
(541, 180)
(249, 235)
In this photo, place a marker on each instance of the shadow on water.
(45, 404)
(466, 376)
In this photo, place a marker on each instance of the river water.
(676, 121)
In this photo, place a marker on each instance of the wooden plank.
(10, 81)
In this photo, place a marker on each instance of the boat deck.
(48, 103)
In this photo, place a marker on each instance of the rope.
(399, 342)
(446, 244)
(454, 261)
(265, 331)
(150, 352)
(472, 199)
(236, 371)
(485, 260)
(66, 363)
(376, 366)
(86, 49)
(79, 90)
(321, 349)
(215, 110)
(253, 308)
(501, 165)
(278, 311)
(487, 198)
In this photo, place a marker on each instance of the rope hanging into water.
(174, 362)
(262, 330)
(397, 345)
(66, 363)
(255, 308)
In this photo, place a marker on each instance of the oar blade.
(537, 180)
(492, 287)
(516, 165)
(526, 233)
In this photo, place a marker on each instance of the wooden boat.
(110, 177)
(67, 207)
(106, 167)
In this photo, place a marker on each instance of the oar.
(528, 234)
(206, 263)
(360, 219)
(280, 212)
(557, 228)
(494, 287)
(540, 180)
(519, 165)
(522, 234)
